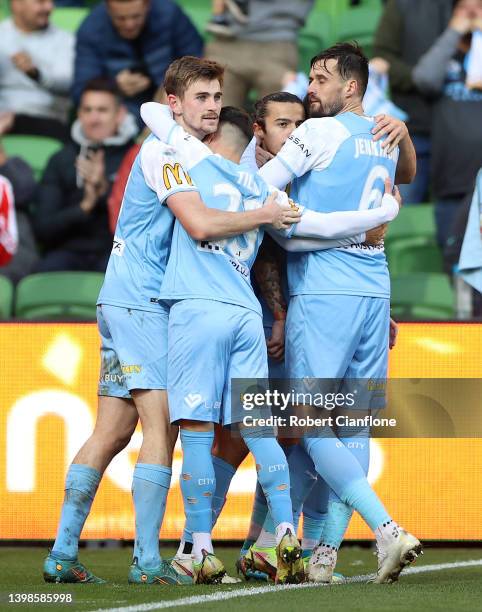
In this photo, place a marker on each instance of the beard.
(320, 110)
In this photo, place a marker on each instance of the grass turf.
(454, 589)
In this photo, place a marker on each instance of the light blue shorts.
(337, 336)
(211, 343)
(133, 349)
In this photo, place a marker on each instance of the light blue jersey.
(143, 234)
(338, 166)
(133, 326)
(217, 270)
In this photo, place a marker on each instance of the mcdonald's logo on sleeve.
(175, 174)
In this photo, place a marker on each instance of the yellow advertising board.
(47, 409)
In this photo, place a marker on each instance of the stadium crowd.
(44, 72)
(96, 208)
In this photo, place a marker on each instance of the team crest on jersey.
(174, 173)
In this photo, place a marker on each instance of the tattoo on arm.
(267, 270)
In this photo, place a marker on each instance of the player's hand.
(132, 83)
(393, 191)
(392, 338)
(280, 218)
(376, 236)
(262, 156)
(276, 344)
(394, 129)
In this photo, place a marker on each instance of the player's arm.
(344, 224)
(267, 271)
(159, 120)
(204, 223)
(174, 186)
(397, 134)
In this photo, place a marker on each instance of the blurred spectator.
(8, 222)
(117, 192)
(223, 13)
(260, 51)
(470, 264)
(407, 29)
(71, 219)
(456, 114)
(36, 67)
(21, 178)
(133, 41)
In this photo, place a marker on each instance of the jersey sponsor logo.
(301, 145)
(209, 247)
(175, 173)
(367, 249)
(118, 246)
(131, 369)
(238, 266)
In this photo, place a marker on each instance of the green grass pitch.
(456, 588)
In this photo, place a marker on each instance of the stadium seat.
(422, 297)
(198, 11)
(410, 243)
(6, 297)
(36, 150)
(316, 35)
(58, 295)
(358, 23)
(69, 18)
(417, 254)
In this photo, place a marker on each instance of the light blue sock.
(315, 511)
(80, 488)
(303, 478)
(224, 473)
(339, 513)
(150, 486)
(273, 474)
(258, 516)
(197, 479)
(312, 530)
(339, 468)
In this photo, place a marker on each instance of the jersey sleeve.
(163, 170)
(313, 145)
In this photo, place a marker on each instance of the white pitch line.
(247, 592)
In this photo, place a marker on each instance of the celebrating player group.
(205, 218)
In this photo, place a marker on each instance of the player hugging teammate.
(189, 319)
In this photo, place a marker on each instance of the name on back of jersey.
(365, 146)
